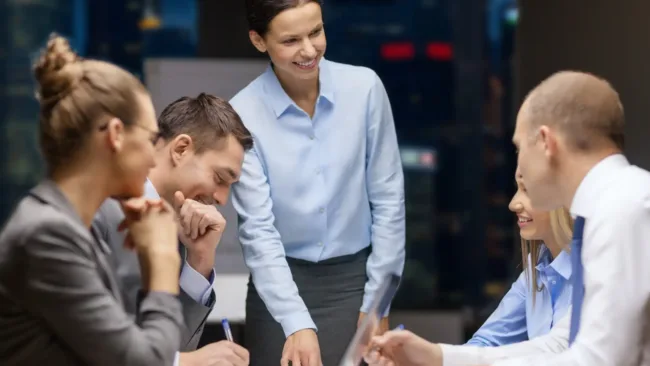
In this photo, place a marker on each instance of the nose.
(220, 196)
(308, 49)
(514, 205)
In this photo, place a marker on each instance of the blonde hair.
(74, 94)
(562, 228)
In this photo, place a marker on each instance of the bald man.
(569, 135)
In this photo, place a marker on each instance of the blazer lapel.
(102, 259)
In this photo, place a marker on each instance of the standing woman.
(321, 195)
(59, 300)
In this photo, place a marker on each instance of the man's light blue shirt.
(321, 187)
(192, 282)
(517, 319)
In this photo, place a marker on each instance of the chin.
(528, 234)
(306, 75)
(132, 191)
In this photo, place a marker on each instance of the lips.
(306, 65)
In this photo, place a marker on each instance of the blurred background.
(455, 72)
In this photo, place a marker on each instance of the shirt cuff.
(367, 304)
(476, 343)
(460, 355)
(177, 359)
(297, 322)
(195, 285)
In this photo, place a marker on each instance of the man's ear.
(180, 147)
(549, 141)
(257, 41)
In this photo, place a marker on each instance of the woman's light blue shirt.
(516, 319)
(319, 187)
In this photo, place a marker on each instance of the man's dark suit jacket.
(125, 265)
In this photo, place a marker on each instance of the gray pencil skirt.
(332, 290)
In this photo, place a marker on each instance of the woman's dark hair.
(260, 13)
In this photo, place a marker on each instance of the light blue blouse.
(516, 319)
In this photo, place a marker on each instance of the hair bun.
(57, 71)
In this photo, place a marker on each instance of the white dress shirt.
(614, 199)
(557, 340)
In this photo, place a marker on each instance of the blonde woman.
(541, 295)
(537, 301)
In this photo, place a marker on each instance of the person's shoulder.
(635, 186)
(627, 196)
(33, 220)
(248, 94)
(359, 76)
(249, 103)
(631, 184)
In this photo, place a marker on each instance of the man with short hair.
(570, 138)
(569, 135)
(199, 154)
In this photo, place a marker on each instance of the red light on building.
(398, 51)
(428, 159)
(440, 51)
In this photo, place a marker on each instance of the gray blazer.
(59, 300)
(126, 266)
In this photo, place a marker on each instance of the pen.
(226, 329)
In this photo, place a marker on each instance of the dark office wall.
(223, 30)
(24, 29)
(605, 37)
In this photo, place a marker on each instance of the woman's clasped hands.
(152, 233)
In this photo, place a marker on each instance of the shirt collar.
(279, 99)
(594, 182)
(561, 264)
(150, 190)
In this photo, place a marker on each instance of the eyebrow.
(320, 25)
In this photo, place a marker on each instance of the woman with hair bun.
(59, 300)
